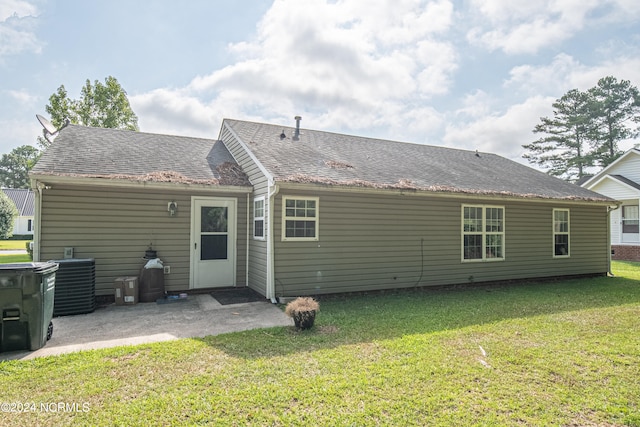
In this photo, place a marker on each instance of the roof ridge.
(163, 135)
(369, 138)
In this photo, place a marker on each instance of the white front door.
(213, 242)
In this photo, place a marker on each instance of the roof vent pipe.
(296, 135)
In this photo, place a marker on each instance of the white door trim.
(195, 236)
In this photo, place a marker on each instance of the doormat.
(236, 296)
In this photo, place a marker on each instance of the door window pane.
(213, 219)
(213, 246)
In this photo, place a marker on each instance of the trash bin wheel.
(49, 331)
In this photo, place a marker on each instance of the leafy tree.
(563, 148)
(615, 111)
(100, 105)
(8, 214)
(15, 166)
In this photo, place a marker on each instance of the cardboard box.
(127, 287)
(118, 291)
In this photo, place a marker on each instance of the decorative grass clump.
(303, 312)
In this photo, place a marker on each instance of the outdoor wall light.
(172, 208)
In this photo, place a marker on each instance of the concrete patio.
(110, 326)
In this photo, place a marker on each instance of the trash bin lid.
(74, 261)
(35, 267)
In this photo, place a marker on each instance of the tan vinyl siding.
(257, 248)
(115, 226)
(375, 241)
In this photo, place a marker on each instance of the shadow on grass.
(353, 319)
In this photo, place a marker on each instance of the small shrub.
(303, 311)
(29, 246)
(8, 214)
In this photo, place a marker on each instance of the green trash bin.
(26, 304)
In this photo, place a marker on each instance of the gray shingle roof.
(111, 153)
(22, 198)
(335, 159)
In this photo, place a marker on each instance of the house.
(621, 181)
(23, 199)
(290, 211)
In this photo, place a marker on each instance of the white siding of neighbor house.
(616, 226)
(615, 189)
(629, 167)
(21, 225)
(621, 192)
(257, 247)
(375, 241)
(116, 225)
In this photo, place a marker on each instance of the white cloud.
(503, 132)
(526, 27)
(565, 73)
(173, 112)
(16, 8)
(20, 132)
(348, 65)
(23, 97)
(17, 28)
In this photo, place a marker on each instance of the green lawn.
(560, 353)
(8, 259)
(13, 244)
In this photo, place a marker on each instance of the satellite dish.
(49, 130)
(47, 125)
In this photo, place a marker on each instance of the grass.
(13, 244)
(560, 353)
(8, 259)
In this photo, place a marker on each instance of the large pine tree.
(561, 149)
(615, 115)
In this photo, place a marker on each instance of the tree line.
(586, 129)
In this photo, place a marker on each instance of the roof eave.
(49, 179)
(289, 185)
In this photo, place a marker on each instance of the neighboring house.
(621, 181)
(23, 199)
(289, 211)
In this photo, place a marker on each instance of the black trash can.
(151, 286)
(26, 304)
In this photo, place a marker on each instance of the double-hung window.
(561, 233)
(482, 233)
(300, 218)
(258, 218)
(630, 219)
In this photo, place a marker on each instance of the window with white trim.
(482, 233)
(299, 218)
(630, 219)
(561, 232)
(258, 218)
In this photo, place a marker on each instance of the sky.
(469, 74)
